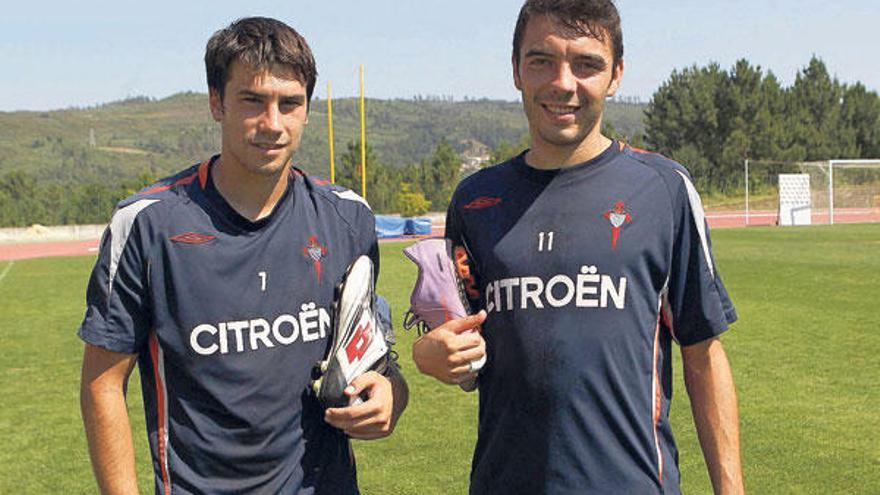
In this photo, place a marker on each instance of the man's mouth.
(557, 109)
(269, 146)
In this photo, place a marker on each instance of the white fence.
(40, 233)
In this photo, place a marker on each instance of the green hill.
(123, 140)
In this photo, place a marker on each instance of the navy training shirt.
(228, 317)
(587, 274)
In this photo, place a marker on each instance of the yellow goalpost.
(363, 163)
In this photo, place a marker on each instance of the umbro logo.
(482, 202)
(192, 238)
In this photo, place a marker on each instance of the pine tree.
(441, 175)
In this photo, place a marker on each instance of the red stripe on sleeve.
(161, 420)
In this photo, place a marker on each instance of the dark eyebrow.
(537, 52)
(298, 99)
(249, 93)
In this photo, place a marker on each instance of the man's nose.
(270, 120)
(564, 79)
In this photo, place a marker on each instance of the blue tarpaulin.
(417, 226)
(389, 226)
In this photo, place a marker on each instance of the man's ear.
(516, 80)
(216, 103)
(616, 76)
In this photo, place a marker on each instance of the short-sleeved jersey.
(587, 274)
(228, 318)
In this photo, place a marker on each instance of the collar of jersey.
(219, 203)
(545, 176)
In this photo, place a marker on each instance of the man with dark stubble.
(592, 257)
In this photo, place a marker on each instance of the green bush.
(411, 204)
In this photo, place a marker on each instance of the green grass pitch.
(805, 352)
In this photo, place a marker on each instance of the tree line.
(26, 201)
(711, 120)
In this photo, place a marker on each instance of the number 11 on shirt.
(541, 237)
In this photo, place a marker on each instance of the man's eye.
(587, 67)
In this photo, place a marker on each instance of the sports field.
(805, 352)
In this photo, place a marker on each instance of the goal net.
(855, 188)
(840, 191)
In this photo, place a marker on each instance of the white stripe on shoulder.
(352, 196)
(699, 218)
(120, 228)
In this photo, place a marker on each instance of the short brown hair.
(595, 18)
(262, 43)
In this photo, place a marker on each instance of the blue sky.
(57, 54)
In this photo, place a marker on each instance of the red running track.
(24, 251)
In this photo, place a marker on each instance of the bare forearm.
(105, 417)
(108, 432)
(711, 389)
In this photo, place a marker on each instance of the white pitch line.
(6, 270)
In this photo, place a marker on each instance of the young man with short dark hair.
(219, 283)
(592, 257)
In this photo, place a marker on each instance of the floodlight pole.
(330, 133)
